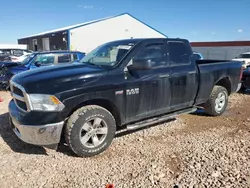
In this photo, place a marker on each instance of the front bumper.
(43, 135)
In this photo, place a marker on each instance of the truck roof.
(136, 40)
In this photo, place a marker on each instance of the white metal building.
(86, 36)
(222, 50)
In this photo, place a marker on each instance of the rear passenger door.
(183, 77)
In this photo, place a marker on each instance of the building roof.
(84, 24)
(220, 43)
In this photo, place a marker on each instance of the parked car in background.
(245, 58)
(16, 55)
(197, 56)
(246, 78)
(35, 60)
(14, 58)
(121, 84)
(4, 57)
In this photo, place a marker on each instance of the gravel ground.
(191, 151)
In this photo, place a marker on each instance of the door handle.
(191, 72)
(164, 76)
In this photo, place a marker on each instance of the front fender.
(102, 98)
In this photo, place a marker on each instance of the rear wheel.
(90, 130)
(218, 101)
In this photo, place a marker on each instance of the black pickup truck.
(126, 83)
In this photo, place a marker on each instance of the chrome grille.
(19, 96)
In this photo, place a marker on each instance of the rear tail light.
(241, 73)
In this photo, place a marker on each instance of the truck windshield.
(244, 56)
(108, 54)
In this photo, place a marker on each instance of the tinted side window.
(17, 52)
(64, 58)
(44, 59)
(178, 53)
(75, 57)
(8, 52)
(156, 53)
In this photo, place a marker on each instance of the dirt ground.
(193, 150)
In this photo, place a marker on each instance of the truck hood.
(54, 79)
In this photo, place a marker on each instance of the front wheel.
(90, 130)
(217, 102)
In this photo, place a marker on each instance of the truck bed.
(211, 74)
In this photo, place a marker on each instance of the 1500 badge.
(132, 91)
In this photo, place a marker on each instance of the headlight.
(45, 102)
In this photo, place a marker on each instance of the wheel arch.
(105, 103)
(226, 83)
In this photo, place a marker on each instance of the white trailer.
(13, 46)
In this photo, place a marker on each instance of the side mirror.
(141, 65)
(38, 64)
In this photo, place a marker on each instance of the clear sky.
(196, 20)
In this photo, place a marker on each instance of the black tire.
(210, 106)
(78, 120)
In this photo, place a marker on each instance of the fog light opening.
(42, 130)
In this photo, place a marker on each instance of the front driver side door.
(143, 91)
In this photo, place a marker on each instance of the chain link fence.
(221, 53)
